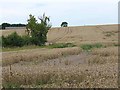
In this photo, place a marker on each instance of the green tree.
(38, 31)
(64, 24)
(31, 25)
(45, 20)
(4, 25)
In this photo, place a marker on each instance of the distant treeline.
(4, 25)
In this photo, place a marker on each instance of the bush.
(37, 33)
(27, 40)
(12, 40)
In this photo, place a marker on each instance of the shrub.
(37, 33)
(3, 41)
(12, 40)
(27, 40)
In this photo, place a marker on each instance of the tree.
(4, 25)
(64, 24)
(45, 20)
(38, 31)
(31, 25)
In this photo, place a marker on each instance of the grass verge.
(61, 45)
(19, 48)
(57, 45)
(88, 47)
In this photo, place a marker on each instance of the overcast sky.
(75, 12)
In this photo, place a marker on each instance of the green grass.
(61, 45)
(19, 48)
(57, 45)
(11, 85)
(88, 47)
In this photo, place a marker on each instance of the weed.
(88, 47)
(116, 45)
(61, 45)
(11, 85)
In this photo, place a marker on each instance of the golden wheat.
(97, 68)
(100, 71)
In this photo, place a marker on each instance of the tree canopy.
(4, 25)
(38, 31)
(64, 24)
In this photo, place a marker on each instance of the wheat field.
(70, 67)
(78, 34)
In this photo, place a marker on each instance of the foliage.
(17, 25)
(64, 24)
(90, 46)
(12, 40)
(38, 31)
(31, 25)
(27, 40)
(4, 25)
(45, 20)
(11, 85)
